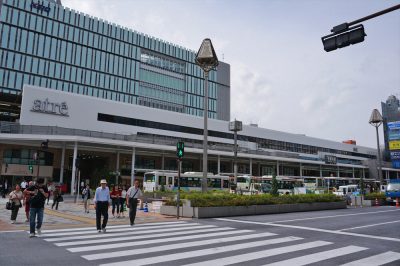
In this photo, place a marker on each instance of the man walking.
(132, 196)
(38, 194)
(101, 204)
(24, 184)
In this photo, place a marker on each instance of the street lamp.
(207, 60)
(235, 126)
(376, 120)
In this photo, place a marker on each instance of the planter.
(226, 211)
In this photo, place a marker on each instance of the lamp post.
(376, 120)
(235, 126)
(207, 60)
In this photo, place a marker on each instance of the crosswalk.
(195, 244)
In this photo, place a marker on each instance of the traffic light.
(180, 149)
(343, 36)
(45, 145)
(30, 167)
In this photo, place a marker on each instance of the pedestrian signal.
(180, 149)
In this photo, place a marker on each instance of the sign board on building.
(393, 125)
(40, 6)
(394, 134)
(394, 145)
(330, 159)
(47, 107)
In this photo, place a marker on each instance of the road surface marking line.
(312, 229)
(317, 257)
(215, 250)
(376, 260)
(152, 241)
(110, 226)
(118, 254)
(86, 220)
(13, 231)
(137, 237)
(331, 216)
(124, 229)
(127, 232)
(370, 225)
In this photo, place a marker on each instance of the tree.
(274, 186)
(362, 186)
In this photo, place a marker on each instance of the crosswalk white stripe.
(129, 252)
(94, 231)
(138, 236)
(210, 251)
(376, 260)
(110, 226)
(257, 255)
(132, 231)
(153, 241)
(319, 256)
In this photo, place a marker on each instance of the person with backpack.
(86, 195)
(38, 195)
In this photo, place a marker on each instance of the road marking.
(13, 231)
(123, 229)
(154, 241)
(312, 229)
(376, 260)
(217, 250)
(317, 257)
(370, 225)
(332, 216)
(118, 254)
(127, 231)
(138, 236)
(108, 227)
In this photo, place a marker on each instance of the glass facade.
(48, 45)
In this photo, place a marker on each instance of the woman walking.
(27, 196)
(122, 199)
(56, 197)
(114, 195)
(86, 194)
(16, 197)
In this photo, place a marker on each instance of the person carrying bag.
(15, 199)
(132, 196)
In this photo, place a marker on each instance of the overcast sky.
(281, 78)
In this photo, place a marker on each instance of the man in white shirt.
(23, 185)
(132, 195)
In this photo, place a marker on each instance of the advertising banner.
(394, 145)
(394, 134)
(394, 125)
(395, 155)
(396, 164)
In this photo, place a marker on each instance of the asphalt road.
(364, 236)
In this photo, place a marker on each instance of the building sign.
(394, 145)
(47, 107)
(40, 6)
(396, 164)
(394, 125)
(395, 155)
(394, 134)
(330, 159)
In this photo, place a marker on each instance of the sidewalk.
(70, 214)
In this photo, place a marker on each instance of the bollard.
(376, 202)
(146, 209)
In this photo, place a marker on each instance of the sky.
(281, 78)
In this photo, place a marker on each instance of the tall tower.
(390, 113)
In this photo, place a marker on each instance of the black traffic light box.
(343, 37)
(180, 149)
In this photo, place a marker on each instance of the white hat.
(103, 181)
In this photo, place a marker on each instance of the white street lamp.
(376, 120)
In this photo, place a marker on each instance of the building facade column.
(277, 168)
(320, 170)
(301, 169)
(73, 177)
(133, 166)
(62, 164)
(251, 166)
(219, 164)
(163, 162)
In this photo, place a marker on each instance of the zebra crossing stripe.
(319, 256)
(94, 231)
(110, 226)
(138, 235)
(130, 252)
(218, 250)
(376, 260)
(257, 255)
(154, 241)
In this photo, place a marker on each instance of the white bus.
(189, 181)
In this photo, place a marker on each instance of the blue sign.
(395, 155)
(396, 164)
(394, 125)
(394, 134)
(40, 6)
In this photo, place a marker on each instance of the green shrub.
(375, 195)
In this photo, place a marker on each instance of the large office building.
(391, 129)
(114, 102)
(45, 44)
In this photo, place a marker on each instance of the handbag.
(10, 205)
(60, 198)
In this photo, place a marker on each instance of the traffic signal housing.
(343, 36)
(180, 149)
(30, 167)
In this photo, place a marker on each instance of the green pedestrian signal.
(180, 149)
(30, 169)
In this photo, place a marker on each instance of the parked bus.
(393, 190)
(189, 181)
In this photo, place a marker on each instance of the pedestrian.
(132, 195)
(56, 197)
(16, 198)
(101, 204)
(122, 200)
(50, 188)
(86, 195)
(115, 194)
(38, 193)
(27, 196)
(24, 184)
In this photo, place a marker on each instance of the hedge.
(212, 199)
(375, 195)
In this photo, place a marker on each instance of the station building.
(113, 102)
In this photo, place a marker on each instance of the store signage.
(48, 107)
(394, 145)
(396, 164)
(40, 6)
(330, 159)
(394, 134)
(394, 125)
